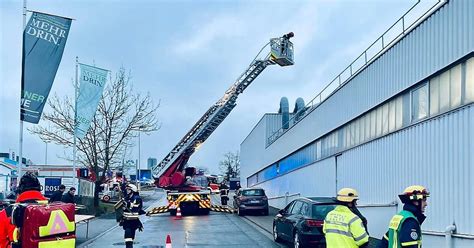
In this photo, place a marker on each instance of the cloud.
(222, 26)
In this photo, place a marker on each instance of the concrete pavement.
(213, 230)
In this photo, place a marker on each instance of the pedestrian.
(342, 227)
(69, 196)
(405, 227)
(132, 210)
(58, 194)
(29, 192)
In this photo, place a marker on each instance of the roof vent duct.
(300, 109)
(285, 112)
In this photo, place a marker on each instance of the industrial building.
(403, 116)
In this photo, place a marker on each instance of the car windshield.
(253, 192)
(320, 211)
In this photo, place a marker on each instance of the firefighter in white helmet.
(132, 210)
(405, 227)
(343, 226)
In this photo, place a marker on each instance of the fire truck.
(172, 173)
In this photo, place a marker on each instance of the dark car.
(301, 221)
(251, 200)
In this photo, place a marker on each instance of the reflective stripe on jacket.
(395, 239)
(343, 228)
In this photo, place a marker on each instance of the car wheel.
(106, 198)
(276, 238)
(296, 240)
(265, 212)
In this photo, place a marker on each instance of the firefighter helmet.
(132, 187)
(414, 193)
(347, 195)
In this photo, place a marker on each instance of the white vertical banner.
(92, 82)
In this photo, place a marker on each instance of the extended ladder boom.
(281, 53)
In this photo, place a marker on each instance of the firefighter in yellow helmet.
(343, 226)
(405, 227)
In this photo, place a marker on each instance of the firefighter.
(29, 192)
(405, 227)
(132, 209)
(342, 227)
(224, 190)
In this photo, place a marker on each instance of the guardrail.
(393, 34)
(287, 197)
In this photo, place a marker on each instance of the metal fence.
(390, 37)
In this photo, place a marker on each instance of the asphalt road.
(213, 230)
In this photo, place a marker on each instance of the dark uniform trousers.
(130, 226)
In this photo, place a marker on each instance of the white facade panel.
(252, 151)
(317, 179)
(443, 38)
(437, 154)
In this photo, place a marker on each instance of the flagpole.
(20, 162)
(75, 124)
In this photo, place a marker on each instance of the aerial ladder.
(171, 173)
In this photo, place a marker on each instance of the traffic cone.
(168, 241)
(178, 214)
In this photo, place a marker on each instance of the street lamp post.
(139, 161)
(139, 155)
(46, 154)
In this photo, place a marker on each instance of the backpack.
(44, 226)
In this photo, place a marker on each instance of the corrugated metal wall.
(443, 38)
(313, 180)
(438, 153)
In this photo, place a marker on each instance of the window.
(385, 118)
(391, 115)
(373, 122)
(367, 126)
(347, 136)
(378, 122)
(469, 88)
(434, 96)
(320, 211)
(318, 148)
(253, 192)
(455, 86)
(399, 112)
(444, 92)
(305, 209)
(296, 209)
(419, 100)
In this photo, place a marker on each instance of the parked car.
(251, 200)
(301, 221)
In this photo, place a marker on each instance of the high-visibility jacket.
(343, 228)
(394, 239)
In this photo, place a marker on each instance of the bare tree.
(230, 165)
(121, 114)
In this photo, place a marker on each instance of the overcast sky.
(187, 53)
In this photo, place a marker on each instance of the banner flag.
(92, 82)
(44, 39)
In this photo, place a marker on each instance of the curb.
(88, 242)
(257, 224)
